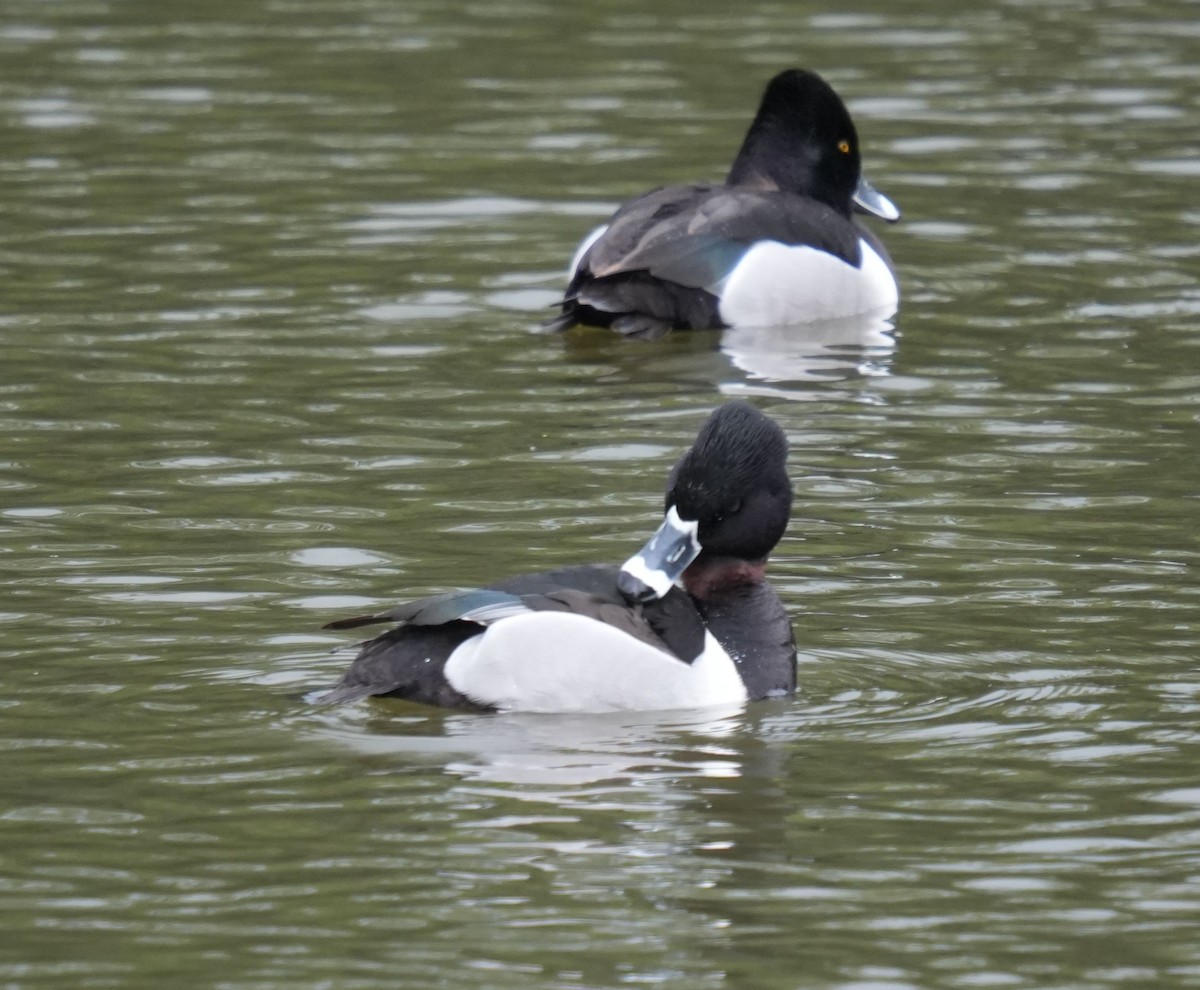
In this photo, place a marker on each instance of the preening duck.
(687, 621)
(776, 244)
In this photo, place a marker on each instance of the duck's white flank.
(780, 285)
(563, 662)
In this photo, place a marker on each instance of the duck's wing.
(481, 605)
(671, 624)
(484, 605)
(695, 235)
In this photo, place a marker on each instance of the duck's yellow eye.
(844, 147)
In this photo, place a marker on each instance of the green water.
(267, 274)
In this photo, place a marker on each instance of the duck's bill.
(867, 199)
(652, 571)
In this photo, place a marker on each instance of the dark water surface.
(267, 274)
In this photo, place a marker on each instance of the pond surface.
(268, 270)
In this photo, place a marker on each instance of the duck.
(688, 621)
(776, 244)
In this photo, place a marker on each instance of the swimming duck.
(687, 621)
(775, 245)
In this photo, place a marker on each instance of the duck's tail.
(563, 321)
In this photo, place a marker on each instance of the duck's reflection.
(853, 346)
(558, 750)
(572, 750)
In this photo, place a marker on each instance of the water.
(267, 272)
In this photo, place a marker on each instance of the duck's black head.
(728, 498)
(733, 482)
(803, 141)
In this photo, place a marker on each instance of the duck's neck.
(759, 159)
(708, 577)
(743, 613)
(750, 177)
